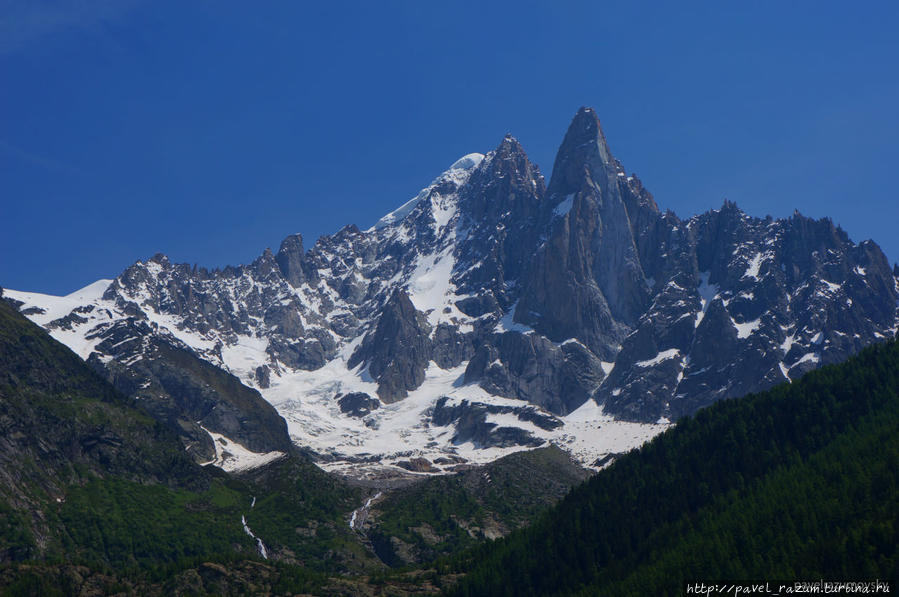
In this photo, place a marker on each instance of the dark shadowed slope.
(93, 482)
(800, 481)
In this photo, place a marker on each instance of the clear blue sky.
(209, 130)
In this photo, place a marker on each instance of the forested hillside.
(446, 514)
(800, 481)
(96, 494)
(98, 497)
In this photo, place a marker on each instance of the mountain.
(491, 312)
(92, 481)
(62, 425)
(194, 398)
(99, 497)
(799, 482)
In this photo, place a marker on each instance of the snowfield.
(288, 325)
(359, 447)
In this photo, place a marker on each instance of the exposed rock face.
(769, 301)
(228, 304)
(501, 209)
(357, 404)
(530, 367)
(586, 280)
(492, 285)
(418, 465)
(398, 351)
(291, 261)
(470, 421)
(60, 424)
(186, 392)
(263, 376)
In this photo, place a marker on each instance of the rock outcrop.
(490, 285)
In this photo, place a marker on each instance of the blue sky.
(209, 130)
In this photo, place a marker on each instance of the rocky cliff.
(496, 289)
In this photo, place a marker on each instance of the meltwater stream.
(360, 514)
(246, 529)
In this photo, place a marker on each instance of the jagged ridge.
(491, 285)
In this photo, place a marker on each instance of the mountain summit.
(489, 312)
(583, 151)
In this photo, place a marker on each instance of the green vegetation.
(209, 578)
(304, 511)
(444, 515)
(426, 519)
(62, 423)
(16, 541)
(95, 492)
(800, 481)
(153, 533)
(125, 525)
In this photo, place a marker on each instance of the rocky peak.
(506, 182)
(290, 260)
(583, 153)
(138, 278)
(509, 147)
(348, 231)
(502, 207)
(586, 281)
(545, 294)
(265, 266)
(398, 350)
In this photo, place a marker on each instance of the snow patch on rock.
(232, 457)
(564, 207)
(662, 356)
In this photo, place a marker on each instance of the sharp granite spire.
(579, 298)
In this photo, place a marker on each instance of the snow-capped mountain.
(490, 312)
